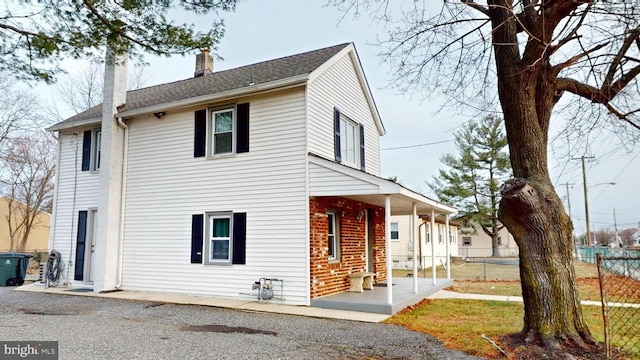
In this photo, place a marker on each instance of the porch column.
(446, 221)
(433, 246)
(414, 238)
(387, 243)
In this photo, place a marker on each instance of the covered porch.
(375, 301)
(393, 199)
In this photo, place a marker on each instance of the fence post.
(485, 269)
(605, 310)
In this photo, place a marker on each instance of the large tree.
(36, 35)
(473, 177)
(535, 54)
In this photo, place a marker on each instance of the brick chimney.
(204, 63)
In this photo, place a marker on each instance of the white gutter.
(123, 198)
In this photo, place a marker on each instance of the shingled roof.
(216, 82)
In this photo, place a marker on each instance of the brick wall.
(331, 277)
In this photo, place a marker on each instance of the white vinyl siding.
(77, 190)
(166, 185)
(339, 87)
(327, 182)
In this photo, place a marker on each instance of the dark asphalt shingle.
(259, 73)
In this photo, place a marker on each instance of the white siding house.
(475, 243)
(427, 250)
(267, 171)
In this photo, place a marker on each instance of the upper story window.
(91, 147)
(395, 232)
(348, 141)
(95, 149)
(223, 130)
(348, 131)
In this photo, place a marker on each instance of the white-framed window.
(222, 131)
(440, 234)
(395, 231)
(429, 234)
(349, 141)
(333, 236)
(218, 245)
(499, 240)
(96, 144)
(452, 236)
(466, 241)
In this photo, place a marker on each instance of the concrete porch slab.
(375, 301)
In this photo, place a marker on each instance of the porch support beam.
(448, 241)
(433, 246)
(414, 240)
(387, 242)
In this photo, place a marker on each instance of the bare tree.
(532, 54)
(16, 109)
(82, 89)
(27, 183)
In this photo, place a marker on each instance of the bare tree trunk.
(535, 216)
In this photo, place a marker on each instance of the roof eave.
(75, 124)
(253, 89)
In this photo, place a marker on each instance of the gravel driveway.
(93, 328)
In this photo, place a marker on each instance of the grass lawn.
(459, 324)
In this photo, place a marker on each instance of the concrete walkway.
(268, 307)
(445, 294)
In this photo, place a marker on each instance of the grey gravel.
(96, 328)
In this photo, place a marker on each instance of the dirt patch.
(225, 329)
(517, 349)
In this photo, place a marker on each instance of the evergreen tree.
(473, 178)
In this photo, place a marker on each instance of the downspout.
(422, 222)
(123, 198)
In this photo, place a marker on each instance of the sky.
(261, 30)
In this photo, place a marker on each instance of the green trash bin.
(13, 268)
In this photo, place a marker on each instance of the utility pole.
(586, 201)
(615, 227)
(573, 238)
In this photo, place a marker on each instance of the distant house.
(38, 239)
(212, 184)
(476, 243)
(402, 246)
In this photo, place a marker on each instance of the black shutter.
(200, 133)
(81, 243)
(336, 134)
(196, 238)
(86, 150)
(361, 147)
(239, 238)
(242, 132)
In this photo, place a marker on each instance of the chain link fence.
(620, 294)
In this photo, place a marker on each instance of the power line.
(417, 145)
